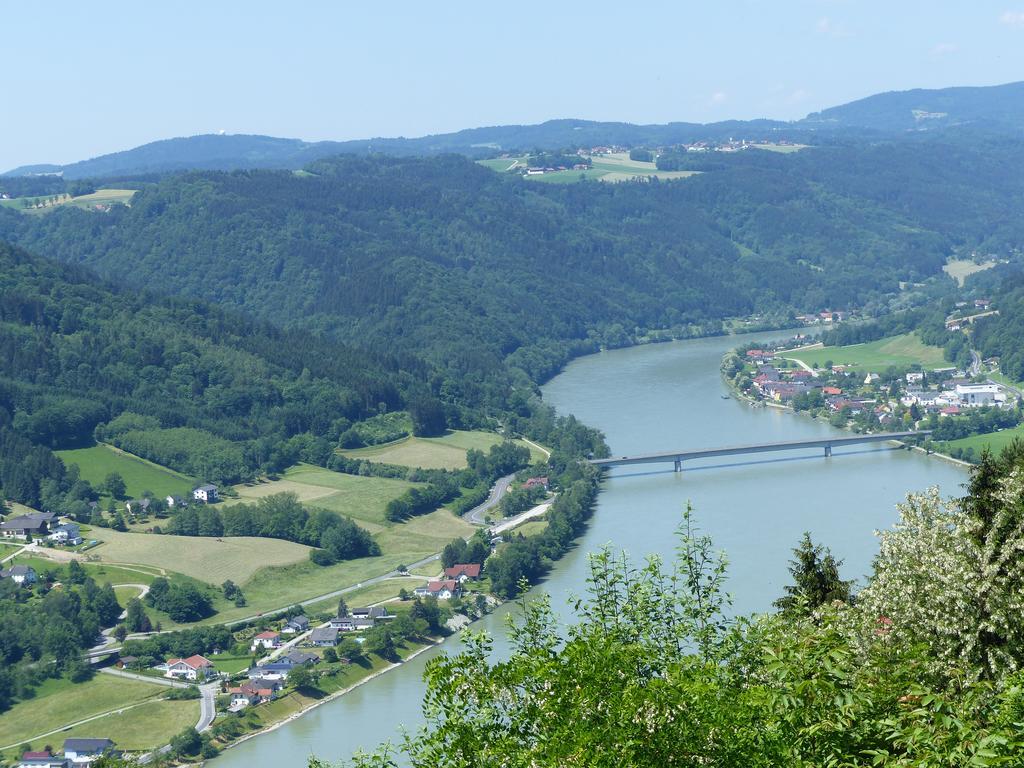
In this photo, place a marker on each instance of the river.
(659, 398)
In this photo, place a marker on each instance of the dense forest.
(180, 382)
(476, 272)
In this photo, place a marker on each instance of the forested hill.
(997, 108)
(229, 397)
(443, 258)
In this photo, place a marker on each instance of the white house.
(22, 575)
(442, 590)
(205, 493)
(915, 377)
(42, 759)
(267, 640)
(66, 533)
(295, 625)
(84, 751)
(977, 394)
(188, 668)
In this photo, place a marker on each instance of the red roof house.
(463, 571)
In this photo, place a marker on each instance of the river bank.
(434, 642)
(743, 397)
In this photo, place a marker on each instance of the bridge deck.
(731, 450)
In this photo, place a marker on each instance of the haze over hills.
(990, 108)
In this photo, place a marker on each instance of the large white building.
(978, 394)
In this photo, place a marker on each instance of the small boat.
(725, 397)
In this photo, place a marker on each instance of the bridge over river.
(828, 443)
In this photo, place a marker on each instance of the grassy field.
(401, 544)
(448, 452)
(994, 441)
(104, 197)
(375, 593)
(139, 475)
(205, 559)
(784, 149)
(961, 269)
(60, 702)
(230, 664)
(610, 168)
(876, 355)
(361, 498)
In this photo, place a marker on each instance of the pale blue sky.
(83, 79)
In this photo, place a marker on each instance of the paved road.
(170, 683)
(207, 705)
(512, 522)
(18, 552)
(476, 514)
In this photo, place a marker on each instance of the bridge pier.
(679, 465)
(828, 451)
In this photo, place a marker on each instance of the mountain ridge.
(998, 108)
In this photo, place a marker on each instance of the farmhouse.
(188, 668)
(41, 760)
(84, 751)
(66, 533)
(137, 506)
(324, 637)
(536, 482)
(373, 613)
(205, 493)
(174, 502)
(442, 590)
(295, 625)
(256, 691)
(35, 524)
(463, 572)
(268, 640)
(22, 575)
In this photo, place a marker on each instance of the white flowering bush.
(953, 582)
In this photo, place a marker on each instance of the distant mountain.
(212, 152)
(996, 107)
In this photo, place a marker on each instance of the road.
(476, 514)
(207, 705)
(512, 522)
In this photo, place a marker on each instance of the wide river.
(659, 398)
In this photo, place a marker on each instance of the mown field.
(961, 269)
(139, 475)
(994, 441)
(59, 703)
(102, 197)
(610, 168)
(206, 559)
(875, 356)
(447, 452)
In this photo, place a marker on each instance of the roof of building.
(208, 487)
(87, 745)
(45, 755)
(472, 570)
(21, 570)
(300, 621)
(268, 635)
(302, 657)
(196, 662)
(437, 586)
(323, 633)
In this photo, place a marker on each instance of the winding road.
(476, 514)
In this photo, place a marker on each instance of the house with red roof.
(188, 668)
(463, 572)
(444, 589)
